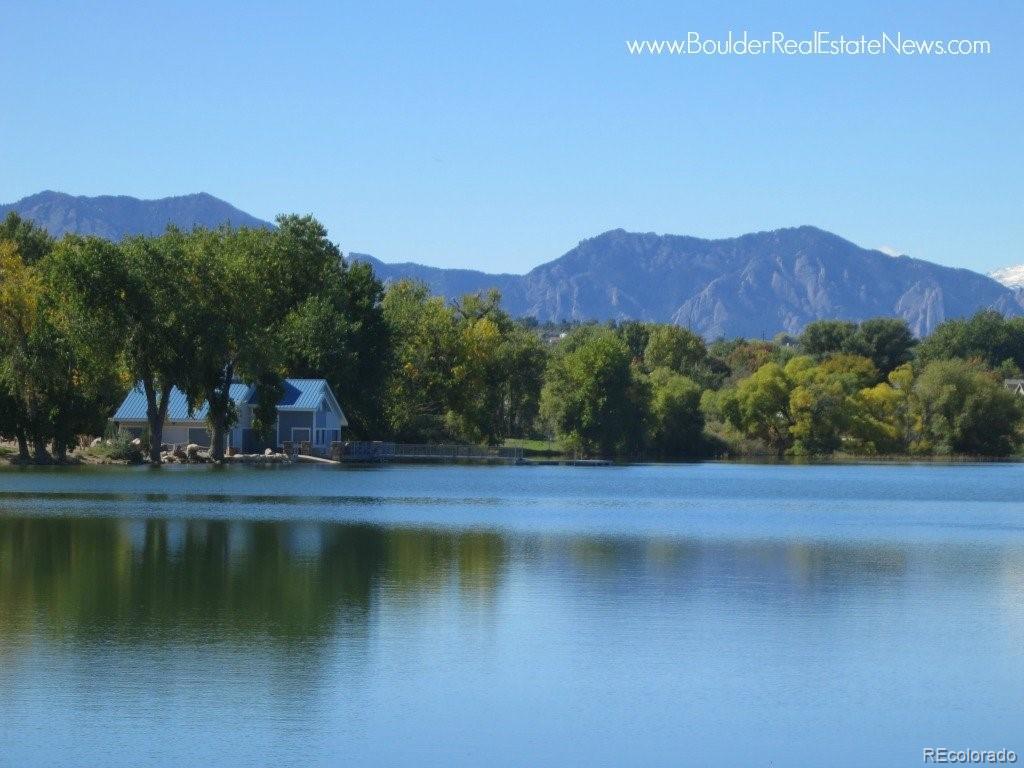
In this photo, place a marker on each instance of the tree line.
(83, 319)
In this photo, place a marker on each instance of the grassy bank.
(538, 449)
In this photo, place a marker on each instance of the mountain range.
(113, 217)
(753, 285)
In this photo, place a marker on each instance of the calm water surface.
(444, 616)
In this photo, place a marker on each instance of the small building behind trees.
(308, 411)
(1015, 385)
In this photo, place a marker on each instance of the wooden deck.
(440, 452)
(373, 452)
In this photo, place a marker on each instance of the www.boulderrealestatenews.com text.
(818, 43)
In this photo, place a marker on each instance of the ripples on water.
(692, 615)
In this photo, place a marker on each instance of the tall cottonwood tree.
(504, 369)
(27, 244)
(53, 389)
(428, 361)
(592, 398)
(131, 302)
(248, 286)
(465, 371)
(21, 295)
(340, 334)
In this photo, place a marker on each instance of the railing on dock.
(386, 451)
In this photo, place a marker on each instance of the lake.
(705, 614)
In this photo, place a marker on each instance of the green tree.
(827, 337)
(759, 406)
(428, 358)
(340, 333)
(466, 371)
(636, 334)
(246, 284)
(32, 241)
(503, 374)
(12, 418)
(821, 405)
(882, 420)
(524, 360)
(504, 368)
(592, 398)
(133, 303)
(737, 359)
(234, 279)
(963, 408)
(475, 407)
(886, 341)
(23, 372)
(674, 348)
(51, 392)
(677, 423)
(987, 336)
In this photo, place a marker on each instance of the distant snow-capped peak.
(1011, 277)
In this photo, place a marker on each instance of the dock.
(382, 451)
(375, 452)
(567, 462)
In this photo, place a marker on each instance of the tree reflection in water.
(243, 582)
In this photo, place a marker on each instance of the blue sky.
(497, 137)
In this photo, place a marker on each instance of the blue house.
(308, 411)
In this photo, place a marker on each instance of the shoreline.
(75, 462)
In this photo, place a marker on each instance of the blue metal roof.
(299, 395)
(307, 395)
(302, 394)
(134, 406)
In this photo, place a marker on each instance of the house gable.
(307, 395)
(306, 404)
